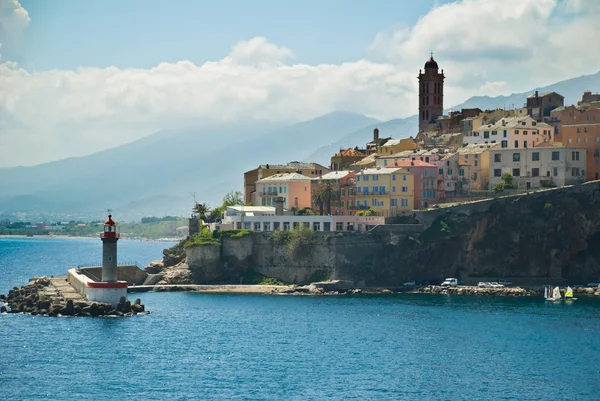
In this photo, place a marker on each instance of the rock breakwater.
(39, 298)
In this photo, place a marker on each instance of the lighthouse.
(109, 290)
(109, 251)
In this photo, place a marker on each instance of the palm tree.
(329, 193)
(202, 210)
(318, 199)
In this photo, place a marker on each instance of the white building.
(512, 133)
(545, 165)
(264, 218)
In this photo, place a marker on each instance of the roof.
(409, 153)
(536, 94)
(367, 160)
(285, 177)
(290, 166)
(511, 122)
(379, 171)
(397, 141)
(349, 152)
(411, 163)
(247, 209)
(431, 63)
(475, 149)
(334, 175)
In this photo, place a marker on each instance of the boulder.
(155, 267)
(3, 309)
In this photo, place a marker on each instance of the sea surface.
(201, 346)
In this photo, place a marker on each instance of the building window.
(393, 189)
(404, 189)
(574, 155)
(516, 144)
(358, 178)
(516, 172)
(375, 189)
(497, 157)
(497, 172)
(358, 189)
(505, 144)
(403, 178)
(375, 178)
(578, 131)
(555, 171)
(524, 132)
(504, 134)
(494, 132)
(535, 156)
(535, 172)
(404, 202)
(474, 176)
(461, 172)
(449, 171)
(441, 171)
(475, 163)
(393, 202)
(486, 134)
(516, 157)
(516, 132)
(366, 178)
(525, 144)
(570, 140)
(555, 155)
(393, 177)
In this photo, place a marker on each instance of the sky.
(77, 77)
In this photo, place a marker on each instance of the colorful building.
(546, 165)
(345, 158)
(512, 133)
(426, 177)
(342, 201)
(475, 161)
(266, 170)
(396, 145)
(388, 191)
(294, 188)
(580, 127)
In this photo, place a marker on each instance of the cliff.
(543, 237)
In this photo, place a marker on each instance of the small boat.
(569, 294)
(552, 295)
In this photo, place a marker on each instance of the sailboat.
(569, 294)
(552, 295)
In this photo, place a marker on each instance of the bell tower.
(431, 94)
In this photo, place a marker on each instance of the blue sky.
(80, 76)
(68, 34)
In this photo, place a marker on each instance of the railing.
(125, 263)
(110, 235)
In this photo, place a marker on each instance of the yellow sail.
(569, 293)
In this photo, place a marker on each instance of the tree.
(233, 198)
(318, 199)
(328, 193)
(201, 209)
(508, 181)
(306, 211)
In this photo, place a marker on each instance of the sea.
(268, 347)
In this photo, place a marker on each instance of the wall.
(132, 274)
(205, 262)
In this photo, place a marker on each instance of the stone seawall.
(542, 238)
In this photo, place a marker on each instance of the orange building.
(581, 127)
(342, 203)
(346, 157)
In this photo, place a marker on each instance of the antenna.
(193, 196)
(109, 211)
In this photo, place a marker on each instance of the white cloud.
(13, 21)
(486, 47)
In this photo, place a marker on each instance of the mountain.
(572, 89)
(156, 174)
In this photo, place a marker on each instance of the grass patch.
(253, 277)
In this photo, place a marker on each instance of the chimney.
(376, 135)
(278, 206)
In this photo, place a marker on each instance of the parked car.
(505, 283)
(483, 284)
(496, 285)
(409, 283)
(450, 282)
(594, 284)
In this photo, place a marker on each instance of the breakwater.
(41, 297)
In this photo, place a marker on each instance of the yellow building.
(396, 145)
(388, 191)
(475, 161)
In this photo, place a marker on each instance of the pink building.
(294, 188)
(426, 181)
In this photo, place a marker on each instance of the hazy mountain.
(155, 175)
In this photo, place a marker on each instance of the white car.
(483, 284)
(450, 282)
(505, 283)
(593, 284)
(496, 285)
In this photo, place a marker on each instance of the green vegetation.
(207, 237)
(306, 211)
(253, 277)
(146, 220)
(368, 212)
(295, 238)
(324, 195)
(507, 183)
(406, 219)
(319, 275)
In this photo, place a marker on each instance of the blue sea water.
(201, 346)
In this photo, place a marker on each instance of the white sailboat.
(552, 295)
(569, 294)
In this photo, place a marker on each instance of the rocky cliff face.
(551, 234)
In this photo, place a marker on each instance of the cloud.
(486, 47)
(13, 21)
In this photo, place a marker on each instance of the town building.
(294, 188)
(396, 145)
(474, 164)
(580, 127)
(426, 191)
(367, 162)
(589, 98)
(545, 165)
(512, 133)
(310, 170)
(425, 155)
(452, 123)
(454, 174)
(388, 191)
(267, 218)
(540, 105)
(376, 142)
(345, 158)
(431, 94)
(341, 200)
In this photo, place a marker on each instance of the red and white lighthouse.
(109, 290)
